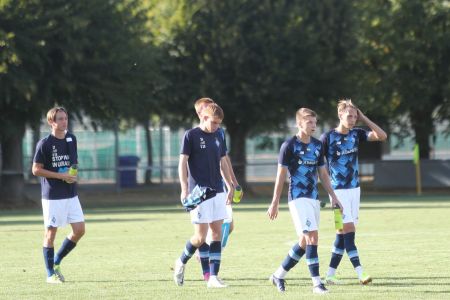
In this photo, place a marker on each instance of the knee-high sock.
(350, 247)
(215, 251)
(49, 254)
(336, 254)
(66, 247)
(189, 250)
(204, 257)
(293, 257)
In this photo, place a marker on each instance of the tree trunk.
(12, 181)
(148, 140)
(238, 154)
(422, 124)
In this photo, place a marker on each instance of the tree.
(79, 54)
(261, 60)
(407, 49)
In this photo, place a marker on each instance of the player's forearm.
(232, 175)
(279, 184)
(325, 181)
(183, 175)
(41, 172)
(379, 133)
(226, 174)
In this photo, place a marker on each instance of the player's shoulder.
(192, 131)
(289, 142)
(326, 134)
(44, 141)
(316, 142)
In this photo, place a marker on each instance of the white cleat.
(54, 279)
(320, 289)
(215, 282)
(178, 274)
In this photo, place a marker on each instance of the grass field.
(128, 253)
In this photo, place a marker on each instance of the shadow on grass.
(34, 222)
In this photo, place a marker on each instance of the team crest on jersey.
(217, 143)
(302, 152)
(308, 223)
(202, 143)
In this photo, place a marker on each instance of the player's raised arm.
(272, 211)
(377, 134)
(183, 174)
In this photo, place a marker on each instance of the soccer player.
(202, 159)
(302, 156)
(341, 152)
(203, 250)
(60, 204)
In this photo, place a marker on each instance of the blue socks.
(48, 259)
(338, 251)
(312, 259)
(293, 257)
(203, 251)
(189, 250)
(215, 250)
(66, 247)
(350, 247)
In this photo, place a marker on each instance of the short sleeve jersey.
(341, 153)
(57, 155)
(221, 132)
(205, 151)
(302, 161)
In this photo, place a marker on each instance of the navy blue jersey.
(221, 132)
(341, 152)
(302, 161)
(57, 155)
(205, 151)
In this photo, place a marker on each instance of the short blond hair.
(344, 104)
(213, 110)
(198, 104)
(51, 114)
(304, 112)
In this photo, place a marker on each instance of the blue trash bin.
(128, 177)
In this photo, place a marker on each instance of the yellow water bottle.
(237, 194)
(338, 224)
(73, 170)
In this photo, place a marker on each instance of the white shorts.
(59, 213)
(211, 210)
(305, 213)
(350, 199)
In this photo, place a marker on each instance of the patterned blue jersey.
(341, 152)
(302, 161)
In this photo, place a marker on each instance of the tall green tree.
(261, 60)
(79, 54)
(406, 45)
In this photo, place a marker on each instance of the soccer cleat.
(365, 279)
(278, 282)
(215, 282)
(320, 289)
(178, 274)
(54, 279)
(332, 280)
(57, 269)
